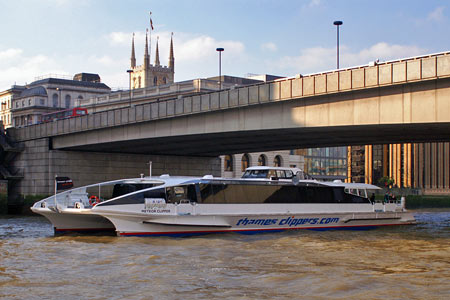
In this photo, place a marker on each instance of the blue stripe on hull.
(252, 231)
(362, 228)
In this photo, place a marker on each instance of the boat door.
(184, 197)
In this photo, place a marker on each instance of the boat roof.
(294, 170)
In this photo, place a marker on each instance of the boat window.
(289, 174)
(126, 188)
(177, 193)
(257, 193)
(212, 193)
(138, 198)
(255, 174)
(157, 193)
(338, 195)
(281, 174)
(286, 194)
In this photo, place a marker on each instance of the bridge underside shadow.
(215, 144)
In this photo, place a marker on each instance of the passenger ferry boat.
(71, 210)
(181, 206)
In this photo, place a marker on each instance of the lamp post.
(59, 103)
(220, 50)
(338, 23)
(129, 84)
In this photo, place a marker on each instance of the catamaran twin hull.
(176, 220)
(75, 220)
(185, 205)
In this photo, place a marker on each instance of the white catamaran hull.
(75, 220)
(187, 223)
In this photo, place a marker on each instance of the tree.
(386, 181)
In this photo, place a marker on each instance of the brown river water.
(402, 262)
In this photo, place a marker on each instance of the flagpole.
(150, 37)
(56, 184)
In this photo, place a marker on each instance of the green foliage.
(416, 201)
(385, 181)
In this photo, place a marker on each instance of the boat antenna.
(150, 168)
(56, 187)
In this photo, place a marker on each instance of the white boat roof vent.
(337, 181)
(208, 177)
(164, 176)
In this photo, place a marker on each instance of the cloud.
(313, 3)
(119, 38)
(437, 14)
(320, 59)
(10, 54)
(269, 47)
(21, 69)
(104, 60)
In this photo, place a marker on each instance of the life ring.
(94, 200)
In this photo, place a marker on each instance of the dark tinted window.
(126, 188)
(252, 193)
(138, 198)
(175, 194)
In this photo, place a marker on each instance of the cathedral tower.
(147, 75)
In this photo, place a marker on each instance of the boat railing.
(389, 205)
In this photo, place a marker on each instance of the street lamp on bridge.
(220, 50)
(338, 23)
(129, 83)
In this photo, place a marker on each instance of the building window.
(164, 80)
(377, 161)
(262, 161)
(29, 102)
(228, 163)
(68, 99)
(139, 82)
(42, 101)
(277, 161)
(55, 100)
(155, 80)
(245, 162)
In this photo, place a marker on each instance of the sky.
(278, 37)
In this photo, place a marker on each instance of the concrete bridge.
(399, 101)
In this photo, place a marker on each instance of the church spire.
(146, 56)
(133, 55)
(157, 53)
(171, 57)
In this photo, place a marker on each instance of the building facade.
(53, 94)
(6, 102)
(234, 165)
(327, 164)
(423, 166)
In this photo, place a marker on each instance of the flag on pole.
(151, 22)
(63, 183)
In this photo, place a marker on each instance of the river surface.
(402, 262)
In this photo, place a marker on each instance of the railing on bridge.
(403, 71)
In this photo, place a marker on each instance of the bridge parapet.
(417, 69)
